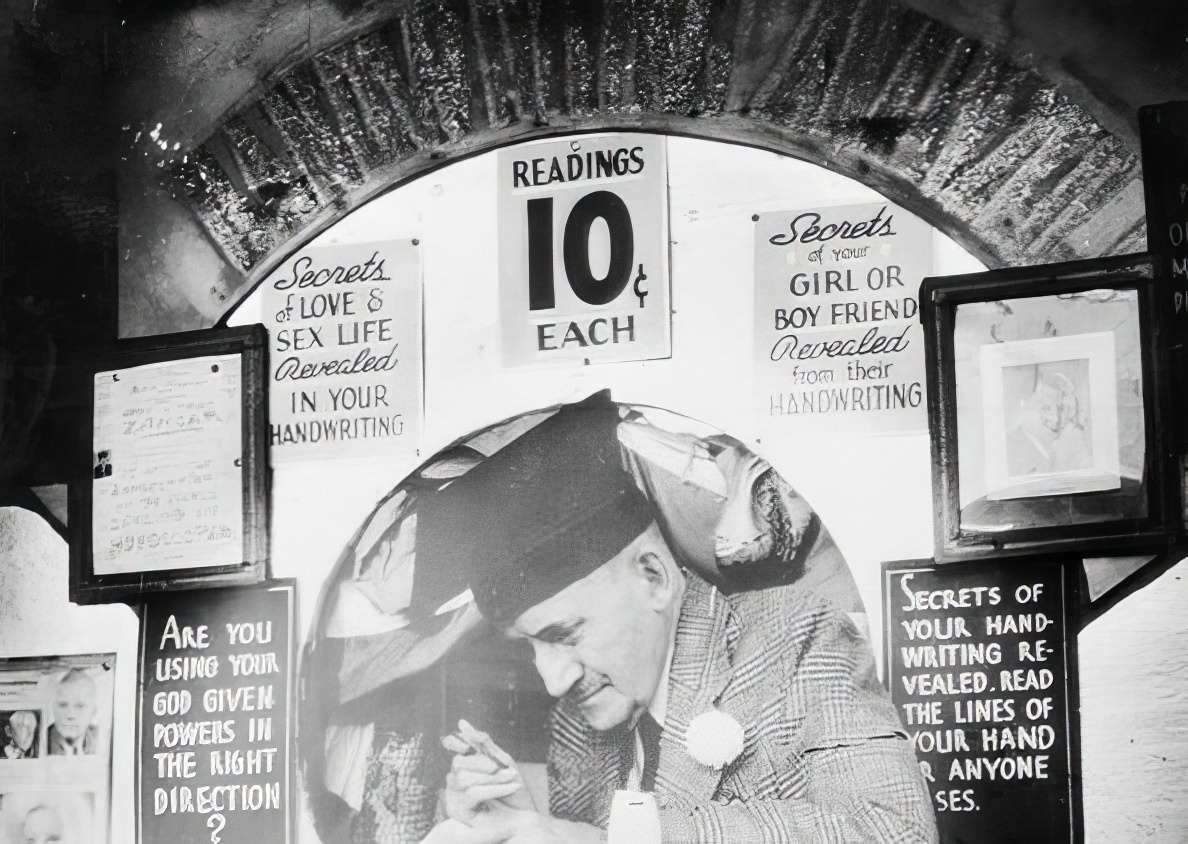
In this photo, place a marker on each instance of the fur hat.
(542, 513)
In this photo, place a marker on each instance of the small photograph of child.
(103, 464)
(19, 734)
(1048, 420)
(30, 817)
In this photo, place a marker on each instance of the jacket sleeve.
(836, 764)
(862, 792)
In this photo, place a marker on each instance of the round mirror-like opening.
(441, 610)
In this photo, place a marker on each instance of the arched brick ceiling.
(972, 141)
(1112, 56)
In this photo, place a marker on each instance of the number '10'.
(576, 249)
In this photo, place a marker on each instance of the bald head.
(42, 825)
(74, 704)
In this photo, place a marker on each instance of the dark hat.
(540, 514)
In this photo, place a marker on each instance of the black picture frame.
(250, 344)
(1138, 513)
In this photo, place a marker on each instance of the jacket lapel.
(701, 667)
(613, 752)
(585, 766)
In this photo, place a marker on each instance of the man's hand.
(486, 791)
(482, 777)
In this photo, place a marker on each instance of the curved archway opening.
(714, 191)
(839, 174)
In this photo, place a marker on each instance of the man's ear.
(658, 576)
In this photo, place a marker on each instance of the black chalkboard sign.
(1163, 135)
(1163, 131)
(215, 717)
(979, 669)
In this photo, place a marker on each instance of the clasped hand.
(488, 802)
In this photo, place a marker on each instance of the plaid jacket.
(825, 757)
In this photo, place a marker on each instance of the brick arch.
(986, 150)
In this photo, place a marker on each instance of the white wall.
(1134, 715)
(874, 493)
(37, 619)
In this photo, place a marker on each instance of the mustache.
(590, 683)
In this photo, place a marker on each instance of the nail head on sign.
(214, 367)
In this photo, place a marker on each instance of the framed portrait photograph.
(173, 490)
(1047, 408)
(55, 748)
(1051, 415)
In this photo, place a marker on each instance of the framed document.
(1048, 409)
(174, 491)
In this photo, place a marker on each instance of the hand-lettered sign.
(978, 665)
(1163, 132)
(168, 482)
(344, 324)
(838, 343)
(1163, 135)
(216, 719)
(583, 250)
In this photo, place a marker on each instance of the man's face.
(42, 826)
(74, 707)
(602, 641)
(22, 726)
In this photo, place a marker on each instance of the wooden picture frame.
(1048, 406)
(174, 493)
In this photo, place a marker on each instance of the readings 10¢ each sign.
(583, 250)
